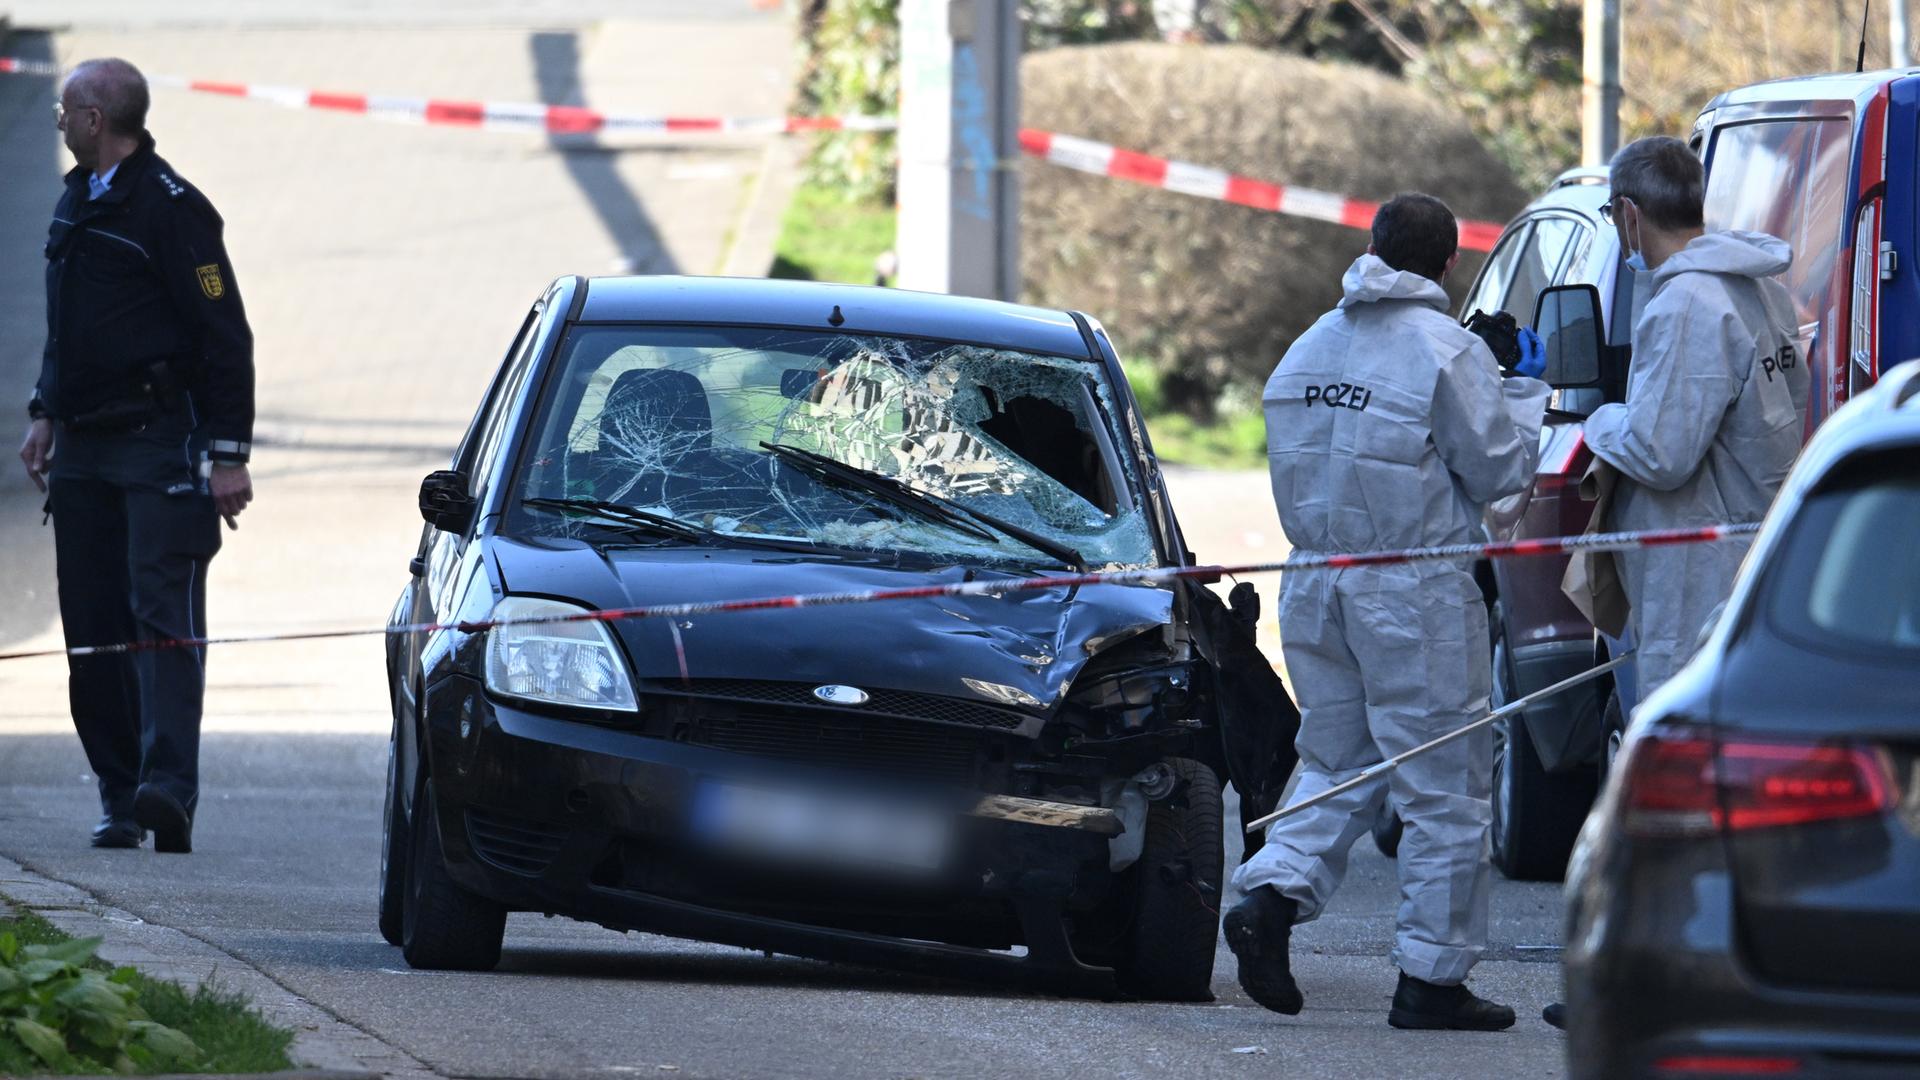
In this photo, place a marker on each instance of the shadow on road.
(556, 65)
(634, 963)
(31, 161)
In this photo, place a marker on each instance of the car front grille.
(899, 704)
(866, 743)
(514, 844)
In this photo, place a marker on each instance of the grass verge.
(1234, 440)
(233, 1037)
(826, 237)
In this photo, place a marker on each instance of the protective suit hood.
(1747, 254)
(1370, 280)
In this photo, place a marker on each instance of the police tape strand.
(1154, 575)
(1055, 148)
(1373, 772)
(489, 115)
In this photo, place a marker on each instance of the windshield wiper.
(631, 518)
(936, 508)
(873, 483)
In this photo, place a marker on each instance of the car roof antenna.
(1860, 61)
(836, 318)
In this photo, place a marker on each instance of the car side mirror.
(444, 501)
(1567, 318)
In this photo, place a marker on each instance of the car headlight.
(561, 663)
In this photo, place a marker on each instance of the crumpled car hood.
(1035, 642)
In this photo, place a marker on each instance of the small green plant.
(60, 1008)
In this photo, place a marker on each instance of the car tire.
(1613, 733)
(1168, 954)
(446, 927)
(393, 850)
(1536, 814)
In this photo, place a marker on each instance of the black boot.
(158, 811)
(118, 832)
(1555, 1014)
(1425, 1006)
(1258, 931)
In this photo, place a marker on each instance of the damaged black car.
(1023, 788)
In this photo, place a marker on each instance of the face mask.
(1636, 258)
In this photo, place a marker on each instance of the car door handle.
(417, 566)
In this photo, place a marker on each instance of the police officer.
(140, 429)
(1389, 425)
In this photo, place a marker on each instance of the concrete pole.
(959, 228)
(1600, 83)
(1897, 34)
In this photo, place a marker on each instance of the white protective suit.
(1716, 406)
(1388, 425)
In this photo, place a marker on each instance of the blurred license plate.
(817, 827)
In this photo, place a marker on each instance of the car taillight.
(1684, 784)
(1726, 1065)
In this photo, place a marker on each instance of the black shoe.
(1258, 931)
(1425, 1006)
(1555, 1014)
(161, 813)
(118, 832)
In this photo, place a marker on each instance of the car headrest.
(660, 409)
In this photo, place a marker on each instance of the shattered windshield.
(874, 443)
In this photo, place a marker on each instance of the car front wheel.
(393, 850)
(1168, 954)
(446, 927)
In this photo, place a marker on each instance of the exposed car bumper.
(1655, 989)
(546, 814)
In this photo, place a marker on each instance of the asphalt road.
(283, 878)
(385, 268)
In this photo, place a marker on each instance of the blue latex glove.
(1533, 355)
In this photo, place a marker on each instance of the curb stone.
(292, 1074)
(324, 1046)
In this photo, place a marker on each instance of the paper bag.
(1592, 580)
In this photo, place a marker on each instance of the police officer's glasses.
(60, 111)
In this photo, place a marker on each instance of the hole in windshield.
(897, 445)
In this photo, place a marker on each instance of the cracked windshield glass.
(834, 440)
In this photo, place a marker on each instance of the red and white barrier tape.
(1067, 151)
(1201, 181)
(492, 115)
(1511, 549)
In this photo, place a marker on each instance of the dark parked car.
(932, 782)
(1745, 897)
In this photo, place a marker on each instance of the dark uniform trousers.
(134, 530)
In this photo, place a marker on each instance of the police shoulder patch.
(174, 187)
(210, 281)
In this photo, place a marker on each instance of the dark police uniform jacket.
(143, 316)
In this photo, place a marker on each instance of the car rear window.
(1850, 573)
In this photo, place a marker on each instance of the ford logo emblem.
(841, 695)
